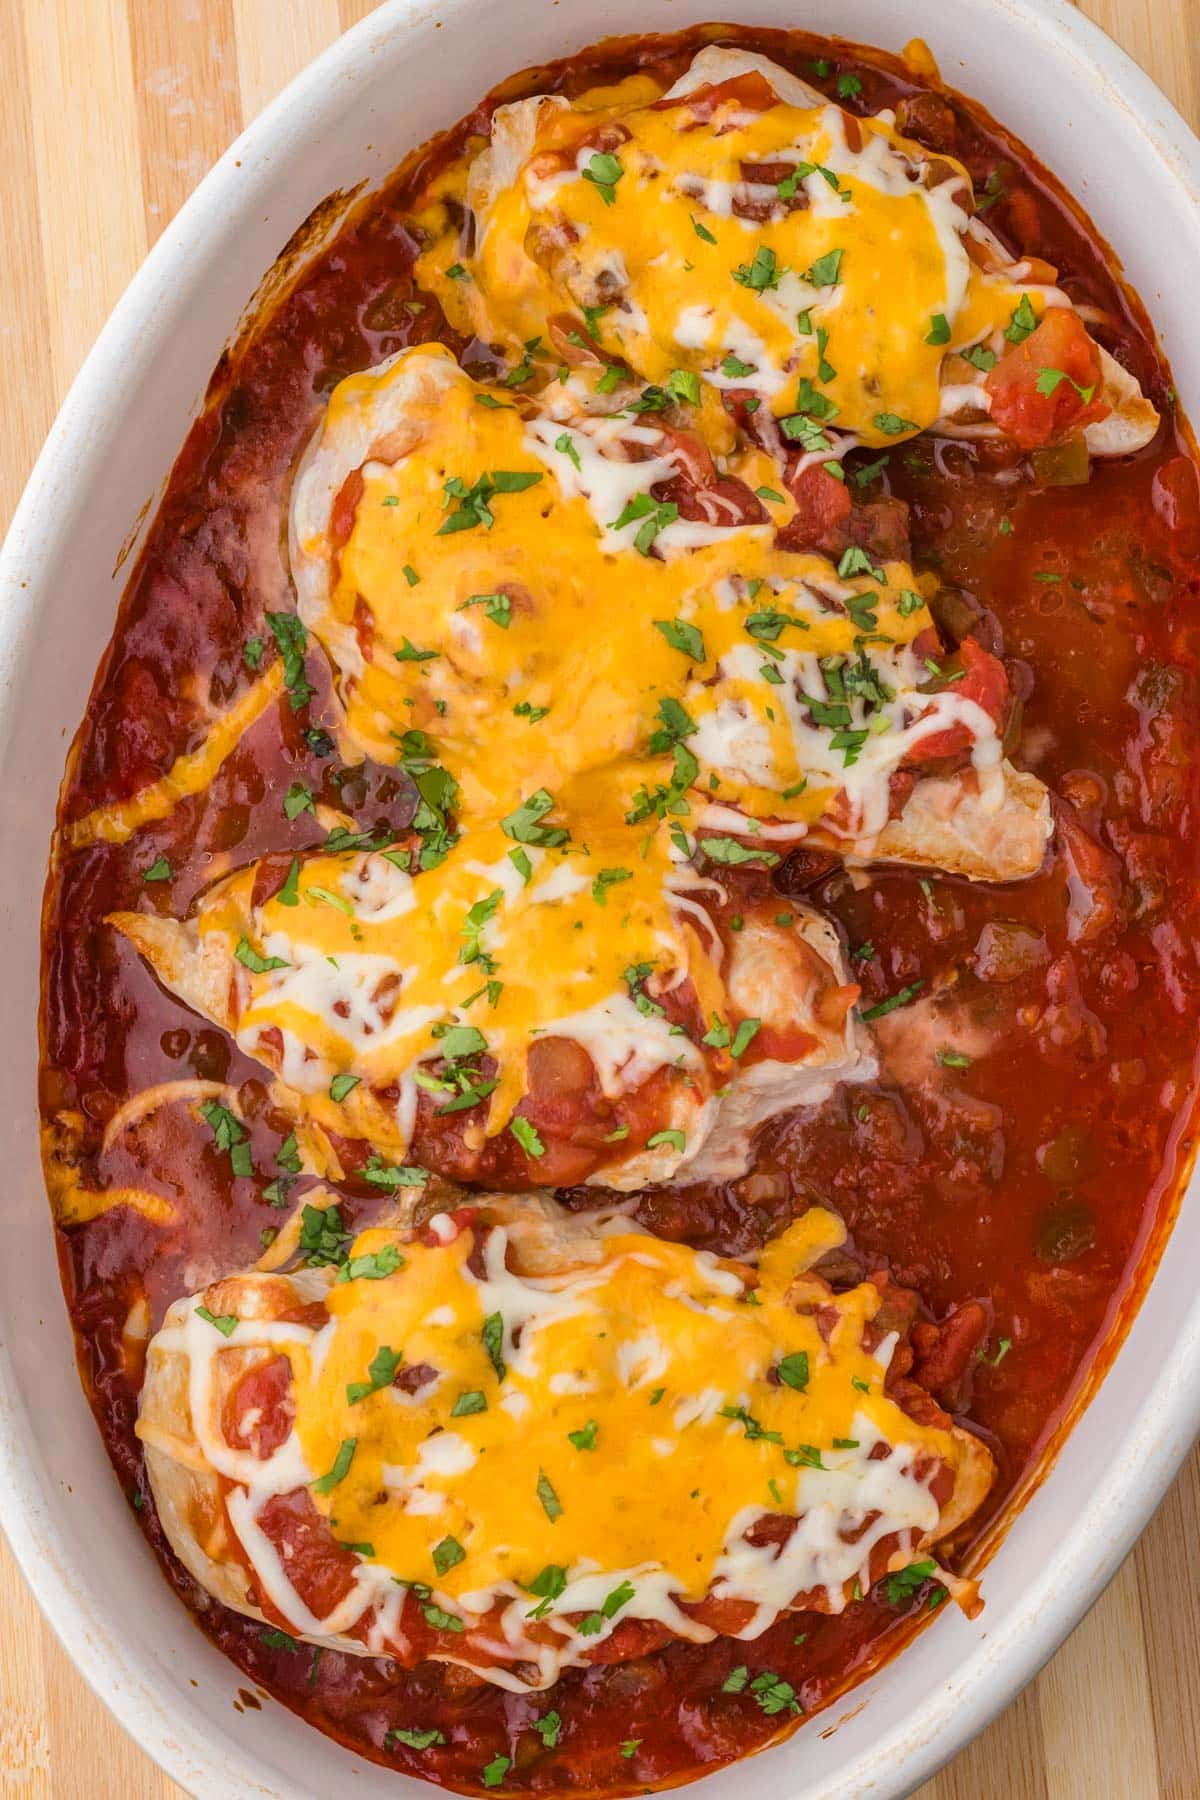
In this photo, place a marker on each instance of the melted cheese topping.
(367, 968)
(189, 774)
(853, 282)
(665, 1365)
(548, 623)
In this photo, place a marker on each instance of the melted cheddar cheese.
(814, 260)
(568, 628)
(361, 971)
(616, 1424)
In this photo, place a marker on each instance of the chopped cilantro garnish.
(447, 1555)
(493, 1343)
(551, 1504)
(683, 637)
(565, 445)
(323, 1238)
(441, 1620)
(654, 515)
(376, 1265)
(410, 653)
(393, 1175)
(728, 851)
(826, 271)
(761, 273)
(473, 504)
(1023, 321)
(684, 384)
(525, 823)
(159, 870)
(605, 879)
(250, 959)
(1049, 380)
(893, 1001)
(855, 561)
(774, 1695)
(225, 1323)
(610, 1606)
(604, 171)
(413, 1737)
(905, 1582)
(381, 1372)
(292, 639)
(473, 1401)
(230, 1135)
(527, 1136)
(548, 1585)
(341, 1467)
(496, 607)
(892, 425)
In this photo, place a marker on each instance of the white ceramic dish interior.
(411, 69)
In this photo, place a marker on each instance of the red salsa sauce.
(1034, 1179)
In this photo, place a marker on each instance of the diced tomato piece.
(724, 1616)
(822, 516)
(345, 508)
(701, 495)
(944, 1352)
(258, 1412)
(1021, 409)
(320, 1571)
(985, 682)
(631, 1638)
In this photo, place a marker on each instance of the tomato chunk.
(1030, 406)
(259, 1411)
(983, 681)
(823, 508)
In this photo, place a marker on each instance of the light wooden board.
(144, 95)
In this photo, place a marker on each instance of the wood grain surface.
(144, 95)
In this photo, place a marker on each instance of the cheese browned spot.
(478, 1416)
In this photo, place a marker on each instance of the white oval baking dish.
(412, 68)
